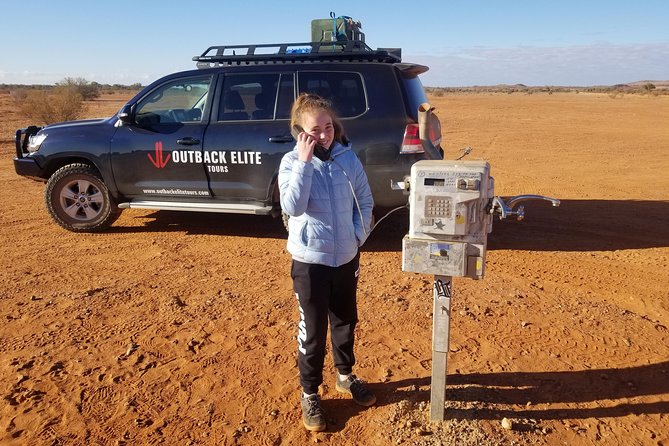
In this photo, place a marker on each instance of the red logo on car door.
(159, 161)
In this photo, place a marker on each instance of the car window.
(414, 93)
(248, 97)
(286, 96)
(345, 90)
(182, 101)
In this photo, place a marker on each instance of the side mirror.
(126, 115)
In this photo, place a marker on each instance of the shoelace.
(358, 386)
(314, 407)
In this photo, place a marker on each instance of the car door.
(248, 135)
(159, 155)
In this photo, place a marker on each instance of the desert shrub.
(87, 90)
(62, 103)
(648, 87)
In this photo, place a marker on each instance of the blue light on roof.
(298, 50)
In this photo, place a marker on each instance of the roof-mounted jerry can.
(336, 28)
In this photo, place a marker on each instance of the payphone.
(451, 210)
(449, 218)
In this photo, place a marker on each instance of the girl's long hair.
(310, 102)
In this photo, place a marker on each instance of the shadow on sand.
(613, 391)
(577, 225)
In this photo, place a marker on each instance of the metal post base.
(441, 318)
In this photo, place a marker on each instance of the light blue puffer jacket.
(325, 226)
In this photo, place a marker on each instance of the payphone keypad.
(437, 206)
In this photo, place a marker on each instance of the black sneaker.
(313, 417)
(357, 389)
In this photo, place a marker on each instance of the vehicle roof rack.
(350, 50)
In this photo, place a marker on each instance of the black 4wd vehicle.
(211, 139)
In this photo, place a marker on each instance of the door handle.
(188, 141)
(281, 139)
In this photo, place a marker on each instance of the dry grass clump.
(62, 103)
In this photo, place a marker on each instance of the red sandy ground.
(176, 328)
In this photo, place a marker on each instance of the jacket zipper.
(328, 167)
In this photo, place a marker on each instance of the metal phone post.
(451, 210)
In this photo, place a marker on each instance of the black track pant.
(325, 293)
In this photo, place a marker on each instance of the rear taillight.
(411, 142)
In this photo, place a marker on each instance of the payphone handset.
(449, 218)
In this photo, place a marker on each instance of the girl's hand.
(305, 147)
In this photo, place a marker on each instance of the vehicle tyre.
(78, 199)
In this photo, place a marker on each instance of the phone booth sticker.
(440, 250)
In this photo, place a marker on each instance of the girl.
(325, 192)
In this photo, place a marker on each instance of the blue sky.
(568, 42)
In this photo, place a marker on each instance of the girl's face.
(319, 126)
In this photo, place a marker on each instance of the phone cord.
(355, 198)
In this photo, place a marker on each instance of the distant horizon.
(657, 82)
